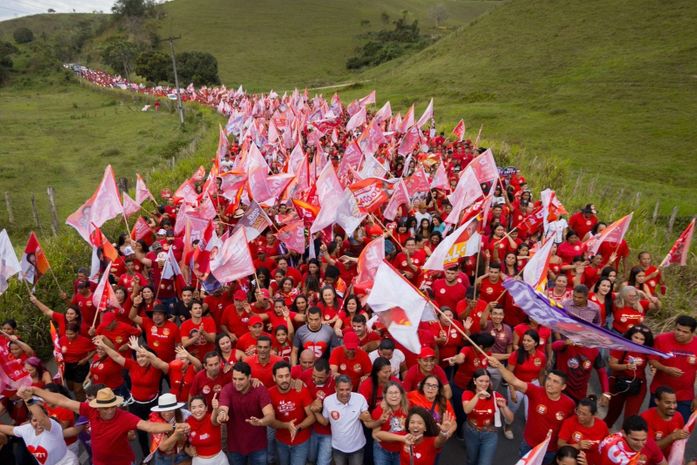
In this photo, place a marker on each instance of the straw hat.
(105, 399)
(166, 403)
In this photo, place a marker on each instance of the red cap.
(351, 340)
(108, 318)
(266, 293)
(240, 295)
(427, 352)
(255, 320)
(373, 230)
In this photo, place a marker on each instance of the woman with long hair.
(560, 291)
(77, 351)
(330, 304)
(509, 266)
(144, 300)
(372, 388)
(628, 379)
(482, 406)
(391, 414)
(430, 395)
(205, 439)
(300, 305)
(603, 296)
(61, 320)
(40, 376)
(526, 363)
(637, 278)
(226, 350)
(352, 307)
(168, 448)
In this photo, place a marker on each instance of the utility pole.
(180, 108)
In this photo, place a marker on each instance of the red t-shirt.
(614, 450)
(84, 303)
(145, 380)
(626, 317)
(180, 379)
(685, 359)
(448, 295)
(290, 406)
(61, 415)
(624, 357)
(119, 335)
(418, 259)
(126, 281)
(660, 428)
(582, 225)
(483, 413)
(473, 361)
(75, 350)
(395, 424)
(578, 362)
(163, 339)
(110, 437)
(205, 436)
(319, 392)
(234, 322)
(413, 377)
(489, 292)
(545, 414)
(59, 320)
(544, 333)
(423, 453)
(263, 373)
(355, 367)
(530, 369)
(202, 347)
(207, 387)
(247, 343)
(573, 432)
(106, 371)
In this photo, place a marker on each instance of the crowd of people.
(289, 365)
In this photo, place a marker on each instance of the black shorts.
(76, 373)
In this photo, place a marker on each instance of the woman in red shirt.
(481, 435)
(351, 308)
(570, 248)
(205, 444)
(373, 387)
(40, 376)
(431, 396)
(392, 415)
(603, 296)
(282, 342)
(145, 300)
(77, 351)
(329, 304)
(425, 437)
(527, 363)
(637, 278)
(226, 350)
(103, 370)
(72, 315)
(168, 448)
(627, 365)
(629, 309)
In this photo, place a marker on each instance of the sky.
(15, 8)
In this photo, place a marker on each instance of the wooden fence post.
(671, 221)
(655, 212)
(54, 213)
(8, 204)
(35, 213)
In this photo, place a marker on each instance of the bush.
(201, 68)
(23, 35)
(154, 66)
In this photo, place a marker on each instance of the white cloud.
(15, 8)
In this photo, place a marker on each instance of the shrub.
(23, 35)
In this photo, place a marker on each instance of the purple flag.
(557, 319)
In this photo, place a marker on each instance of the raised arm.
(508, 375)
(41, 306)
(36, 410)
(56, 399)
(99, 341)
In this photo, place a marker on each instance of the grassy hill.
(607, 86)
(51, 24)
(275, 43)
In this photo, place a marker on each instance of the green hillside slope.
(272, 43)
(608, 86)
(49, 24)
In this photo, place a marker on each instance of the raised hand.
(133, 343)
(214, 401)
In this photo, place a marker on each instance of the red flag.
(417, 182)
(34, 262)
(459, 130)
(104, 296)
(233, 261)
(142, 192)
(351, 159)
(293, 236)
(140, 229)
(369, 194)
(99, 240)
(678, 253)
(57, 354)
(484, 167)
(130, 206)
(532, 222)
(104, 205)
(612, 234)
(400, 196)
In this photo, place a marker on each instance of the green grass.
(63, 134)
(50, 24)
(606, 86)
(283, 44)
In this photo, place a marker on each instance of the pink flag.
(368, 99)
(340, 208)
(484, 167)
(408, 120)
(417, 182)
(369, 261)
(535, 271)
(466, 193)
(612, 234)
(537, 454)
(440, 179)
(409, 142)
(293, 236)
(677, 449)
(186, 192)
(130, 206)
(351, 159)
(140, 229)
(257, 173)
(459, 130)
(104, 296)
(681, 247)
(233, 261)
(463, 242)
(104, 205)
(327, 183)
(399, 305)
(400, 196)
(142, 192)
(356, 120)
(254, 221)
(427, 115)
(223, 146)
(384, 113)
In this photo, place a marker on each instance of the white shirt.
(48, 447)
(395, 362)
(347, 428)
(556, 229)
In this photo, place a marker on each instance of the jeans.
(162, 459)
(480, 445)
(255, 458)
(348, 458)
(320, 449)
(549, 455)
(383, 457)
(292, 455)
(271, 444)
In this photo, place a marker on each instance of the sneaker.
(508, 433)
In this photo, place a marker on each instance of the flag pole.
(128, 228)
(388, 231)
(55, 279)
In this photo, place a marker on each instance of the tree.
(154, 66)
(6, 49)
(23, 35)
(438, 14)
(120, 54)
(201, 68)
(51, 10)
(133, 8)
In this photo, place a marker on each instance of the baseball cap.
(240, 295)
(266, 293)
(351, 340)
(427, 352)
(255, 320)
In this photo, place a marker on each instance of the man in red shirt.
(490, 284)
(116, 331)
(263, 361)
(367, 340)
(426, 365)
(631, 446)
(678, 372)
(350, 360)
(161, 334)
(448, 291)
(410, 261)
(235, 319)
(198, 332)
(665, 427)
(321, 384)
(583, 221)
(210, 380)
(293, 417)
(584, 430)
(548, 408)
(131, 277)
(247, 343)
